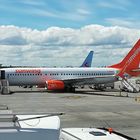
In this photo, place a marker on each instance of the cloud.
(83, 11)
(110, 5)
(32, 2)
(65, 46)
(11, 35)
(64, 10)
(63, 15)
(125, 22)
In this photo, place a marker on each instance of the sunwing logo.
(130, 60)
(133, 56)
(35, 71)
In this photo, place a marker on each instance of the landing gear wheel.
(70, 89)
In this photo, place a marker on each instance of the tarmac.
(85, 108)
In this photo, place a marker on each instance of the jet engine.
(55, 85)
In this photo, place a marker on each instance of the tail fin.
(87, 62)
(130, 65)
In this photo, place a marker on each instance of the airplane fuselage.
(39, 76)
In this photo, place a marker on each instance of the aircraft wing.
(82, 80)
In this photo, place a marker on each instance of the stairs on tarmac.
(129, 86)
(4, 86)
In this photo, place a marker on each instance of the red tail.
(131, 63)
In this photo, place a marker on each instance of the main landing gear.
(69, 89)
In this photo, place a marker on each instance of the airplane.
(86, 63)
(67, 78)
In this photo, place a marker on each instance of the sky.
(62, 32)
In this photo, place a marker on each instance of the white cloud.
(32, 2)
(42, 13)
(65, 46)
(113, 5)
(128, 22)
(83, 11)
(77, 11)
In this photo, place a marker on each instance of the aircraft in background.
(87, 62)
(67, 78)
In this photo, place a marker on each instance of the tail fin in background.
(87, 62)
(130, 65)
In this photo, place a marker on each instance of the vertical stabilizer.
(131, 63)
(87, 62)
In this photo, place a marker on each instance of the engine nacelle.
(55, 85)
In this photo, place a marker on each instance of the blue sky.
(41, 14)
(62, 32)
